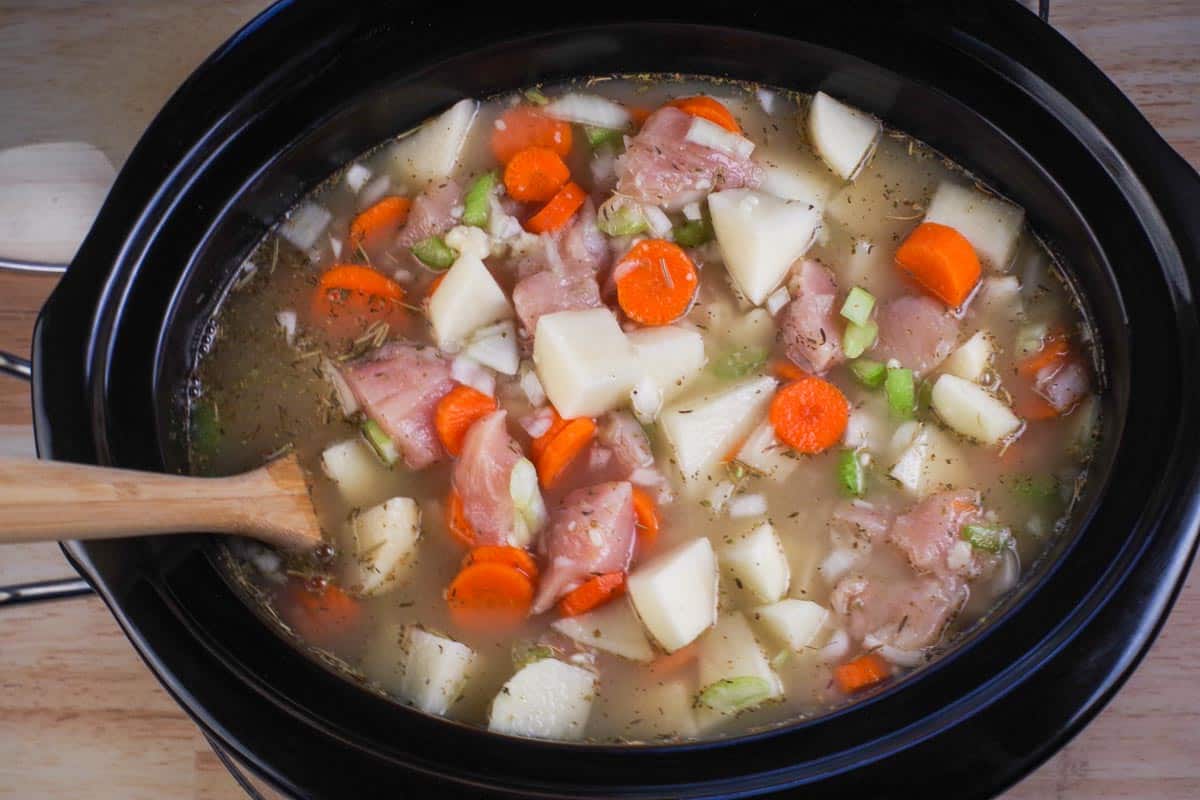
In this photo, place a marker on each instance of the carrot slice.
(375, 227)
(657, 282)
(489, 595)
(595, 592)
(457, 524)
(356, 278)
(809, 415)
(566, 445)
(523, 127)
(639, 114)
(709, 109)
(942, 260)
(503, 554)
(349, 298)
(861, 673)
(646, 512)
(1029, 405)
(535, 174)
(674, 662)
(558, 211)
(321, 617)
(457, 412)
(782, 368)
(538, 446)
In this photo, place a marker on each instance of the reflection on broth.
(650, 410)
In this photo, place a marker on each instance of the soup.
(650, 410)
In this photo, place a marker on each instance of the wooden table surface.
(80, 715)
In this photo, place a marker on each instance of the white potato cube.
(669, 356)
(763, 452)
(971, 360)
(759, 236)
(675, 594)
(793, 175)
(548, 699)
(385, 546)
(424, 669)
(467, 299)
(585, 362)
(431, 152)
(928, 460)
(757, 560)
(909, 469)
(972, 411)
(727, 652)
(613, 628)
(654, 712)
(496, 347)
(703, 429)
(990, 224)
(795, 623)
(844, 137)
(355, 470)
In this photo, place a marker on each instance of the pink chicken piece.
(482, 475)
(857, 525)
(916, 331)
(591, 533)
(809, 324)
(548, 292)
(662, 167)
(622, 434)
(399, 386)
(928, 532)
(432, 214)
(1063, 386)
(905, 613)
(578, 249)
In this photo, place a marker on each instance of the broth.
(263, 392)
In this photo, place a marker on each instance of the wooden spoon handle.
(49, 500)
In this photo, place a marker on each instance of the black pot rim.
(75, 335)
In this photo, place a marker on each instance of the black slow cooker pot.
(309, 85)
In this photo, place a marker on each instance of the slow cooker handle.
(18, 367)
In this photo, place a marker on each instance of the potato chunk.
(548, 699)
(675, 594)
(385, 546)
(431, 152)
(584, 361)
(760, 235)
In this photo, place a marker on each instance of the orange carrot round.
(523, 127)
(535, 174)
(1054, 352)
(378, 225)
(861, 673)
(503, 554)
(558, 211)
(646, 512)
(349, 298)
(942, 261)
(639, 114)
(320, 617)
(457, 524)
(657, 282)
(809, 415)
(540, 443)
(563, 449)
(457, 412)
(595, 592)
(356, 278)
(489, 595)
(709, 109)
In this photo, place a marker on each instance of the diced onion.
(748, 505)
(402, 276)
(470, 372)
(531, 385)
(287, 321)
(335, 246)
(305, 225)
(469, 241)
(777, 300)
(345, 396)
(373, 191)
(903, 658)
(766, 99)
(588, 109)
(495, 346)
(692, 211)
(660, 223)
(357, 177)
(538, 422)
(837, 646)
(646, 476)
(526, 496)
(713, 136)
(646, 400)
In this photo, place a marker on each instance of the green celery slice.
(901, 392)
(858, 306)
(851, 475)
(380, 442)
(693, 233)
(869, 373)
(434, 253)
(731, 695)
(477, 203)
(740, 362)
(989, 538)
(858, 338)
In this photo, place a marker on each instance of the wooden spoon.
(52, 500)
